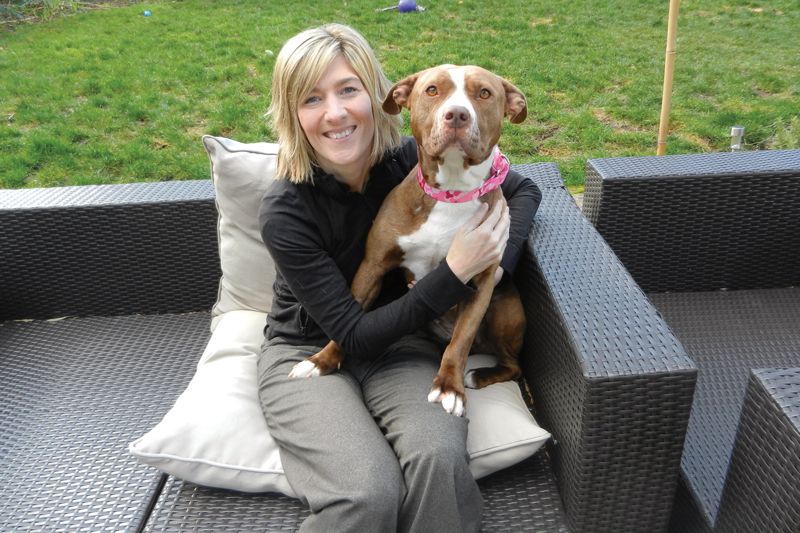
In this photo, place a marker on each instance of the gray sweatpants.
(363, 445)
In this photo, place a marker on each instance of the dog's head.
(457, 109)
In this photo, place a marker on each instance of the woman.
(363, 445)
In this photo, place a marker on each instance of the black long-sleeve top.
(316, 233)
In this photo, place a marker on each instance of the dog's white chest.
(425, 248)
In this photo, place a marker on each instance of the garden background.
(97, 92)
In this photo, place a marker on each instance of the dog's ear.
(516, 106)
(398, 95)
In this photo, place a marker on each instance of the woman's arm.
(319, 286)
(523, 198)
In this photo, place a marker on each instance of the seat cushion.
(215, 434)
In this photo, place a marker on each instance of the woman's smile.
(340, 134)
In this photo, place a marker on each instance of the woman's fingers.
(480, 242)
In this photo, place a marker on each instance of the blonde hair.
(298, 68)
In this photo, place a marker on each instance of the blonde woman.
(362, 445)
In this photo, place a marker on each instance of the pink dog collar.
(498, 174)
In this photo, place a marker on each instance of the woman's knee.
(368, 497)
(443, 453)
(382, 489)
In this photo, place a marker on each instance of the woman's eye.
(349, 90)
(484, 94)
(432, 91)
(311, 100)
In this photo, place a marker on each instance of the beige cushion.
(215, 434)
(241, 173)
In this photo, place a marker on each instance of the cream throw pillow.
(241, 173)
(215, 434)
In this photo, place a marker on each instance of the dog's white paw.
(433, 395)
(304, 369)
(451, 402)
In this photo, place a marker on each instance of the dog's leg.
(448, 385)
(502, 334)
(366, 287)
(325, 361)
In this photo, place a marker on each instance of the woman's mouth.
(337, 135)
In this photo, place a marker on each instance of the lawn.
(110, 95)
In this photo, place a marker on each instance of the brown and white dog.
(456, 117)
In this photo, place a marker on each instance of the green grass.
(112, 96)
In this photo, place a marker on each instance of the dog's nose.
(456, 117)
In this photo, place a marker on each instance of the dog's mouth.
(471, 146)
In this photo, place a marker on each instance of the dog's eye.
(432, 91)
(484, 94)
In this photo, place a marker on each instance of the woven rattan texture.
(73, 394)
(520, 498)
(610, 380)
(763, 488)
(727, 333)
(702, 222)
(686, 517)
(617, 329)
(94, 195)
(546, 175)
(108, 259)
(721, 164)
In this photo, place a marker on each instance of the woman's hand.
(480, 242)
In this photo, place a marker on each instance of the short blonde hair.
(298, 68)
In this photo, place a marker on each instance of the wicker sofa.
(104, 299)
(714, 241)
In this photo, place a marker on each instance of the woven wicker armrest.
(762, 492)
(609, 379)
(686, 227)
(703, 221)
(108, 250)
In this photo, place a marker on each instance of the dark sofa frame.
(130, 272)
(714, 239)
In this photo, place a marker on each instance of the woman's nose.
(335, 110)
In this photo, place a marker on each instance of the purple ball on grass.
(405, 6)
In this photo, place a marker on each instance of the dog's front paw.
(322, 363)
(451, 402)
(451, 398)
(304, 369)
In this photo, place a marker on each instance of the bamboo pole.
(669, 68)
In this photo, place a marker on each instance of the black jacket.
(316, 235)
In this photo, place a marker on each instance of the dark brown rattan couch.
(129, 273)
(715, 241)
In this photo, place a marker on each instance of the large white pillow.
(241, 173)
(502, 431)
(215, 434)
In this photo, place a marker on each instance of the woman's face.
(337, 120)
